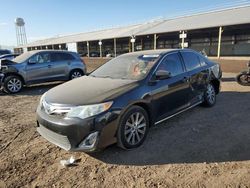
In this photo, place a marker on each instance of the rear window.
(192, 61)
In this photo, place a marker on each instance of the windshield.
(23, 57)
(132, 67)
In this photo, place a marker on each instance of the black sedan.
(119, 101)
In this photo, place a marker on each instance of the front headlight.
(88, 110)
(41, 100)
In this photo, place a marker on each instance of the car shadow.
(217, 134)
(34, 90)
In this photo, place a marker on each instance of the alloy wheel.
(245, 79)
(76, 74)
(135, 128)
(210, 94)
(14, 85)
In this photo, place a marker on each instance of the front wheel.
(75, 74)
(133, 128)
(12, 84)
(243, 79)
(209, 96)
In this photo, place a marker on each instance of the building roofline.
(138, 25)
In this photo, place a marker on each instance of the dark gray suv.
(40, 66)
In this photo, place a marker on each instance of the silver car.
(35, 67)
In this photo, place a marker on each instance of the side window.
(41, 58)
(191, 60)
(172, 63)
(62, 57)
(67, 57)
(55, 57)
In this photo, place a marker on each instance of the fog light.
(89, 142)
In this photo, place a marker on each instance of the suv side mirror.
(162, 75)
(31, 61)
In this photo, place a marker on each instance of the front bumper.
(72, 134)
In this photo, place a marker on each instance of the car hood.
(88, 90)
(6, 62)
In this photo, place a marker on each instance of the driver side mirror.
(162, 75)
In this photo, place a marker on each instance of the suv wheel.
(12, 84)
(133, 128)
(75, 74)
(209, 96)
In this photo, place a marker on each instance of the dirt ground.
(204, 147)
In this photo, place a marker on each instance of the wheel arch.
(216, 84)
(14, 74)
(146, 107)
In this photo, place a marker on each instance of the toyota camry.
(121, 100)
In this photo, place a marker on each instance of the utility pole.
(182, 36)
(100, 44)
(155, 41)
(115, 46)
(88, 47)
(132, 40)
(219, 42)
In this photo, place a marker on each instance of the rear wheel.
(12, 84)
(133, 128)
(243, 79)
(209, 96)
(75, 74)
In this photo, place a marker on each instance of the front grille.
(55, 138)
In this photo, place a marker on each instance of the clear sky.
(49, 18)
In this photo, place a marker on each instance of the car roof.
(156, 52)
(151, 52)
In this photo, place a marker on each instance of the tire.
(131, 135)
(209, 96)
(75, 74)
(239, 79)
(12, 84)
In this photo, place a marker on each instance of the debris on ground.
(70, 162)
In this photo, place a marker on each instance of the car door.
(170, 95)
(198, 73)
(60, 64)
(38, 68)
